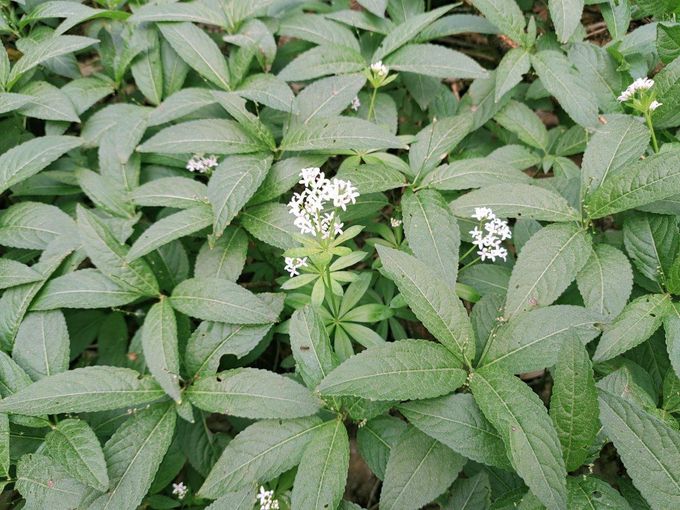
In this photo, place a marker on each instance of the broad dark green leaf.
(160, 347)
(311, 346)
(605, 281)
(42, 344)
(505, 14)
(45, 484)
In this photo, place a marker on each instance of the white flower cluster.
(201, 164)
(308, 206)
(380, 69)
(180, 490)
(266, 499)
(654, 105)
(395, 222)
(639, 84)
(295, 263)
(356, 104)
(489, 239)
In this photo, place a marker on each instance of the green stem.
(648, 118)
(371, 106)
(474, 261)
(329, 289)
(467, 253)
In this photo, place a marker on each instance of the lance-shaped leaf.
(573, 404)
(198, 50)
(168, 229)
(225, 258)
(133, 455)
(605, 282)
(14, 273)
(532, 340)
(322, 474)
(311, 346)
(253, 393)
(259, 453)
(649, 448)
(33, 225)
(109, 255)
(220, 300)
(434, 142)
(640, 183)
(321, 61)
(464, 174)
(588, 492)
(432, 300)
(23, 161)
(74, 445)
(232, 184)
(432, 232)
(271, 223)
(45, 484)
(419, 469)
(547, 264)
(329, 96)
(42, 344)
(86, 389)
(337, 134)
(402, 370)
(527, 431)
(4, 445)
(456, 421)
(516, 200)
(159, 343)
(175, 192)
(636, 323)
(435, 60)
(86, 288)
(566, 16)
(521, 120)
(472, 493)
(505, 14)
(510, 71)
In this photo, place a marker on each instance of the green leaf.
(33, 225)
(133, 455)
(47, 49)
(573, 403)
(253, 393)
(566, 16)
(109, 255)
(651, 241)
(505, 14)
(268, 90)
(472, 493)
(456, 421)
(105, 192)
(636, 323)
(220, 300)
(589, 492)
(667, 43)
(317, 29)
(338, 134)
(322, 474)
(640, 183)
(159, 342)
(243, 499)
(376, 439)
(85, 288)
(532, 340)
(260, 453)
(42, 344)
(198, 50)
(271, 223)
(606, 281)
(169, 228)
(402, 370)
(432, 301)
(648, 447)
(198, 12)
(435, 60)
(321, 61)
(328, 97)
(45, 484)
(521, 120)
(372, 178)
(175, 192)
(311, 346)
(566, 84)
(13, 273)
(516, 200)
(23, 161)
(511, 70)
(73, 444)
(232, 184)
(472, 173)
(4, 445)
(86, 389)
(219, 136)
(47, 102)
(547, 264)
(616, 144)
(527, 431)
(432, 232)
(226, 258)
(419, 469)
(434, 142)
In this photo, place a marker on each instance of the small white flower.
(201, 164)
(639, 84)
(295, 263)
(356, 104)
(395, 222)
(266, 500)
(380, 69)
(180, 490)
(654, 105)
(489, 238)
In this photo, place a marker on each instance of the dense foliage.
(279, 254)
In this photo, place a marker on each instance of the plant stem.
(474, 261)
(371, 106)
(329, 290)
(648, 118)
